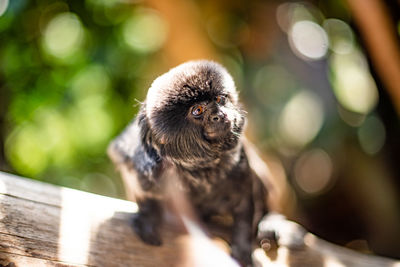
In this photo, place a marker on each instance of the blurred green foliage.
(71, 82)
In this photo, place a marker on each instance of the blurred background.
(320, 81)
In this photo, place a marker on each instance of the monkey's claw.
(274, 230)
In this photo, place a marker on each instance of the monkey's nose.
(219, 117)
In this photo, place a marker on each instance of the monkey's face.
(194, 113)
(216, 117)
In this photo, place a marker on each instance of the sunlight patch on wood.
(74, 235)
(81, 215)
(333, 263)
(3, 189)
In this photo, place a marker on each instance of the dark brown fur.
(205, 152)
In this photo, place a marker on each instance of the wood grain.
(46, 225)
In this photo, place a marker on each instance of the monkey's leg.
(242, 234)
(147, 222)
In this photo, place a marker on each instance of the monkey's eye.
(197, 110)
(220, 99)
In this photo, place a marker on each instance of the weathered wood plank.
(27, 189)
(56, 225)
(10, 260)
(46, 225)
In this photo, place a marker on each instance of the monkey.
(191, 126)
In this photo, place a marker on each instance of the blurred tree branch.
(380, 38)
(186, 39)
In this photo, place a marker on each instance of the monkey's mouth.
(217, 131)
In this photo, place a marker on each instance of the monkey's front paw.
(147, 230)
(275, 230)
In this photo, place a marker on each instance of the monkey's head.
(193, 112)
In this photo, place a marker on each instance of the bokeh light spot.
(372, 135)
(341, 37)
(352, 82)
(308, 40)
(106, 3)
(41, 142)
(3, 6)
(145, 31)
(92, 80)
(301, 119)
(289, 13)
(313, 171)
(53, 127)
(63, 36)
(92, 123)
(25, 152)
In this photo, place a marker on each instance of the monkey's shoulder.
(129, 149)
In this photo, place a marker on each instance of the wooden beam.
(47, 225)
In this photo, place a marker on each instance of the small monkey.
(191, 125)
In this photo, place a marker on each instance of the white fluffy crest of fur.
(172, 82)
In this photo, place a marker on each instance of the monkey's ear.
(144, 125)
(133, 148)
(148, 136)
(123, 148)
(124, 145)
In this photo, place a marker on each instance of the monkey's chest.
(217, 193)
